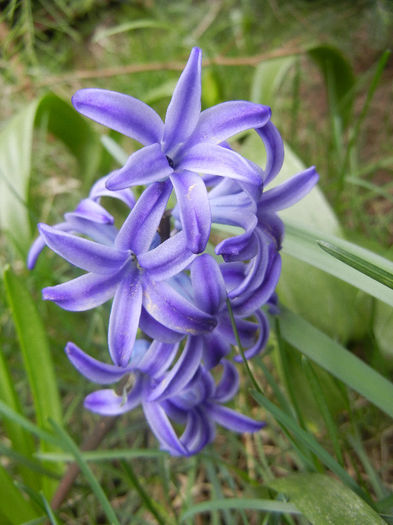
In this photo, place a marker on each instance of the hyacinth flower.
(188, 144)
(184, 394)
(89, 218)
(209, 291)
(133, 271)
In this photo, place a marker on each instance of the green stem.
(241, 349)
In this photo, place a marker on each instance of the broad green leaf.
(334, 358)
(36, 356)
(305, 245)
(383, 329)
(268, 77)
(16, 156)
(324, 500)
(263, 505)
(14, 505)
(15, 160)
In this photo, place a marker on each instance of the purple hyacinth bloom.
(132, 270)
(89, 218)
(167, 389)
(209, 290)
(188, 144)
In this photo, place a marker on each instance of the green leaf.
(324, 500)
(263, 505)
(129, 26)
(71, 446)
(16, 157)
(22, 441)
(372, 270)
(15, 160)
(339, 79)
(305, 245)
(36, 355)
(14, 506)
(268, 77)
(305, 439)
(337, 360)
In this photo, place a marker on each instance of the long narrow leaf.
(36, 358)
(263, 505)
(22, 441)
(306, 439)
(14, 506)
(35, 350)
(337, 360)
(302, 244)
(70, 445)
(363, 266)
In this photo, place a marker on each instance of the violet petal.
(120, 112)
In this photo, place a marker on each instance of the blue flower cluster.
(169, 325)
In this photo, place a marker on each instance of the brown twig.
(90, 443)
(85, 74)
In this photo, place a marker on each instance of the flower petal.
(139, 229)
(99, 190)
(185, 106)
(225, 120)
(208, 284)
(232, 420)
(84, 292)
(94, 370)
(91, 210)
(120, 112)
(88, 255)
(249, 303)
(163, 430)
(181, 373)
(193, 202)
(216, 160)
(199, 431)
(274, 150)
(124, 318)
(158, 358)
(156, 330)
(108, 403)
(168, 259)
(229, 383)
(263, 337)
(144, 166)
(215, 347)
(172, 310)
(290, 192)
(39, 244)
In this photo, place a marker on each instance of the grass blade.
(370, 269)
(15, 507)
(70, 445)
(36, 358)
(302, 244)
(308, 440)
(337, 360)
(263, 505)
